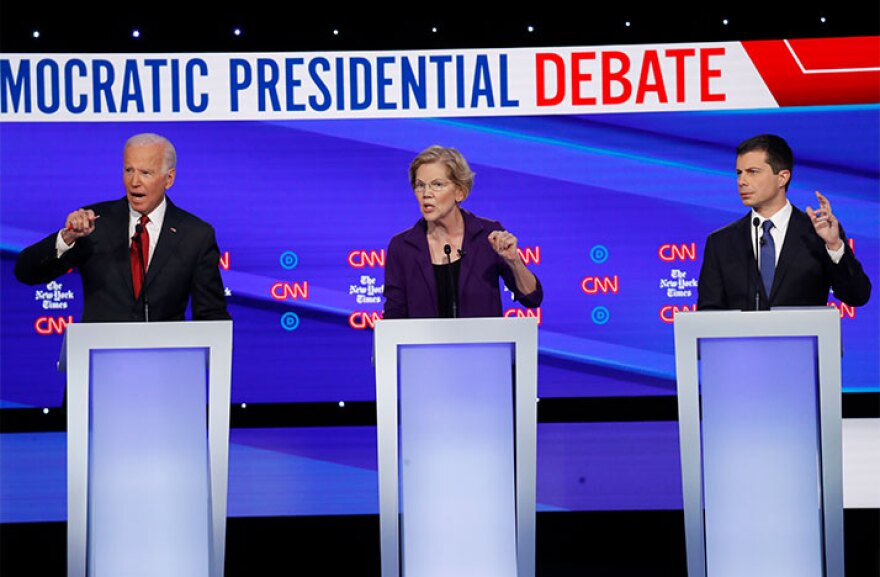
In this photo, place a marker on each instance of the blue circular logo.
(599, 254)
(289, 260)
(600, 315)
(289, 321)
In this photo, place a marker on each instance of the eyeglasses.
(434, 185)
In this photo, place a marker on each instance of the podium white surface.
(147, 447)
(456, 428)
(759, 399)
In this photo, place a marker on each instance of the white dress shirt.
(780, 226)
(154, 226)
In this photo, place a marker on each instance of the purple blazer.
(410, 286)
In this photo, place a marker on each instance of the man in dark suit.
(809, 248)
(172, 253)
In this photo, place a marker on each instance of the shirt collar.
(780, 219)
(157, 217)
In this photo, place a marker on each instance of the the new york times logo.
(54, 297)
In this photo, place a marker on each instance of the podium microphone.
(138, 229)
(755, 223)
(448, 251)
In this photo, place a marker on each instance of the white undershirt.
(154, 226)
(780, 226)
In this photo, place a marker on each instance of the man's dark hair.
(779, 155)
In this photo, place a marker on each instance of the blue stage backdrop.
(611, 206)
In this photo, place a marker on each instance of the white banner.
(272, 86)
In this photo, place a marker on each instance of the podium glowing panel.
(456, 429)
(458, 497)
(761, 481)
(149, 490)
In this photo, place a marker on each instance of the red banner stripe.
(834, 74)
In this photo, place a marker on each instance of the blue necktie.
(768, 256)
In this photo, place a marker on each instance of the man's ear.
(169, 178)
(784, 177)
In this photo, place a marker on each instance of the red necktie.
(140, 249)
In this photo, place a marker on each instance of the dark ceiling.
(182, 26)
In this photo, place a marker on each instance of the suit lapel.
(745, 253)
(418, 239)
(116, 219)
(472, 230)
(169, 238)
(797, 227)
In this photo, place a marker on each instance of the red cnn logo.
(670, 252)
(519, 313)
(844, 309)
(529, 255)
(593, 284)
(290, 290)
(667, 313)
(364, 258)
(52, 325)
(363, 320)
(224, 260)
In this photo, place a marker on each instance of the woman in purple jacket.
(448, 264)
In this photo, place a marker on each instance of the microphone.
(755, 223)
(138, 230)
(447, 250)
(461, 253)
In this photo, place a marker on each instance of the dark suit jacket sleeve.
(710, 287)
(395, 285)
(848, 280)
(39, 263)
(531, 300)
(207, 291)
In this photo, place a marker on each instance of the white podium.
(759, 402)
(456, 426)
(147, 448)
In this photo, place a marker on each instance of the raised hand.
(825, 223)
(504, 244)
(79, 223)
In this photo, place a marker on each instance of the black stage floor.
(608, 544)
